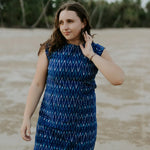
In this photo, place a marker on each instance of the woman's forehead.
(68, 14)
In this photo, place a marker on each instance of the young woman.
(67, 64)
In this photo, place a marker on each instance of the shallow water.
(123, 112)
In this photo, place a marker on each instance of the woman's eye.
(70, 21)
(60, 22)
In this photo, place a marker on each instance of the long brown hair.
(57, 40)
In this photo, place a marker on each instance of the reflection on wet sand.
(123, 114)
(134, 131)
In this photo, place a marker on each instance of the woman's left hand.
(87, 50)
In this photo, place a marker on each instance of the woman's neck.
(75, 42)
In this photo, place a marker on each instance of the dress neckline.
(74, 44)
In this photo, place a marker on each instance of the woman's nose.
(65, 26)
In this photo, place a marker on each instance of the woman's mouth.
(66, 33)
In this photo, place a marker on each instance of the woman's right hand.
(26, 129)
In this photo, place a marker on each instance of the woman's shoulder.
(97, 45)
(98, 48)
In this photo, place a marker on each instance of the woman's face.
(70, 26)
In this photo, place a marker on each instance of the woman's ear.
(84, 23)
(82, 31)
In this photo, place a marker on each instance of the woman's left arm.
(111, 71)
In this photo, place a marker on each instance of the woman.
(68, 63)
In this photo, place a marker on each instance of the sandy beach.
(123, 112)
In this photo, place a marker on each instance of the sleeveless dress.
(67, 116)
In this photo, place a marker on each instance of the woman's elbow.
(119, 81)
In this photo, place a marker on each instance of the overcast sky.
(144, 2)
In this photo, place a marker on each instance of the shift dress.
(67, 116)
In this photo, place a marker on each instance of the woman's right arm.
(34, 94)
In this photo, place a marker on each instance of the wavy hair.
(57, 40)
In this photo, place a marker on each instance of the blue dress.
(67, 116)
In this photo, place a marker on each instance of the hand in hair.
(87, 50)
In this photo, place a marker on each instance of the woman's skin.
(70, 26)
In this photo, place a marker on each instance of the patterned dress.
(67, 116)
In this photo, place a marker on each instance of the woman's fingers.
(28, 129)
(25, 133)
(81, 46)
(27, 136)
(87, 37)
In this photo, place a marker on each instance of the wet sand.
(123, 112)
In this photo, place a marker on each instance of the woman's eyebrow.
(66, 19)
(70, 19)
